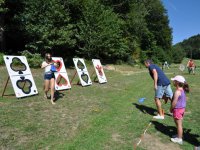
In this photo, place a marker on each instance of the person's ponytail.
(186, 87)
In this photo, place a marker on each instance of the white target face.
(181, 67)
(61, 78)
(20, 75)
(82, 71)
(23, 85)
(17, 65)
(62, 81)
(99, 71)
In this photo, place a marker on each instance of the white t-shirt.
(47, 67)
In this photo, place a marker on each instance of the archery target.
(20, 75)
(99, 71)
(61, 78)
(82, 71)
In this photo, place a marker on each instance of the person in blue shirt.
(161, 86)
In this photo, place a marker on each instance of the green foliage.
(100, 34)
(1, 59)
(47, 25)
(178, 54)
(2, 7)
(191, 47)
(158, 23)
(109, 30)
(34, 60)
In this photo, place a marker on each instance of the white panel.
(80, 65)
(61, 67)
(62, 85)
(12, 70)
(20, 76)
(20, 80)
(61, 73)
(82, 71)
(99, 71)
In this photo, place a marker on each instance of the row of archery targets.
(23, 82)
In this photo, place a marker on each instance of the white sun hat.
(179, 79)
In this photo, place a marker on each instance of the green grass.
(102, 116)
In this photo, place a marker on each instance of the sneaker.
(158, 117)
(177, 140)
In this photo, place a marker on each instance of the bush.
(1, 59)
(34, 60)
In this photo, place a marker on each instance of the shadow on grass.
(145, 109)
(171, 130)
(58, 95)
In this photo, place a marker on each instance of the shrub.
(1, 59)
(34, 60)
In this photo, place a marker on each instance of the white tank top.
(47, 68)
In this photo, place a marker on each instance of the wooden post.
(73, 78)
(5, 86)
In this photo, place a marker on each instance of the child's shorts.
(178, 113)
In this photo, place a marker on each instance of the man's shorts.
(178, 113)
(49, 76)
(164, 90)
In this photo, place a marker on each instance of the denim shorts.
(49, 76)
(164, 90)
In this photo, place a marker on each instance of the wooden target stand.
(95, 77)
(5, 86)
(78, 82)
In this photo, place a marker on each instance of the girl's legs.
(46, 87)
(52, 90)
(179, 128)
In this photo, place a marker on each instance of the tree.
(47, 26)
(99, 33)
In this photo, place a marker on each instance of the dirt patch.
(1, 104)
(151, 142)
(117, 138)
(124, 70)
(109, 67)
(130, 72)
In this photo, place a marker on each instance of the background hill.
(189, 48)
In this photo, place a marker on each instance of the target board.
(99, 71)
(61, 78)
(20, 76)
(82, 71)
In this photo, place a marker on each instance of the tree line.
(189, 48)
(113, 31)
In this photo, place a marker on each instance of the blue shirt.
(162, 79)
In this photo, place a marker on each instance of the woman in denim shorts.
(49, 77)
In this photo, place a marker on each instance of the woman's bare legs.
(46, 88)
(52, 90)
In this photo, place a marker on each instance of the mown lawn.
(102, 116)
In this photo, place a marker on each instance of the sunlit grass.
(102, 116)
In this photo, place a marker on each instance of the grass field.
(98, 117)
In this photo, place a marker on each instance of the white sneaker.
(158, 117)
(177, 140)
